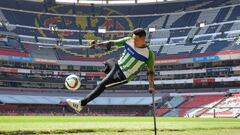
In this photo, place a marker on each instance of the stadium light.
(151, 29)
(202, 24)
(102, 30)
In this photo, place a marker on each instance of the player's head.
(139, 36)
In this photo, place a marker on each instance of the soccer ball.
(72, 82)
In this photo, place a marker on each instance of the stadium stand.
(189, 106)
(228, 107)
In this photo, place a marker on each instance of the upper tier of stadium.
(178, 37)
(151, 7)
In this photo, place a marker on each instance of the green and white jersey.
(133, 59)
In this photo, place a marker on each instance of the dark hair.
(139, 32)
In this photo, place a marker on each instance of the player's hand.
(152, 90)
(93, 44)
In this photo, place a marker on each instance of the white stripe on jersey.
(131, 71)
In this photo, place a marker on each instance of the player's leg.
(113, 78)
(109, 64)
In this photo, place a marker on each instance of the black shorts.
(115, 75)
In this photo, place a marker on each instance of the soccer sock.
(95, 93)
(82, 103)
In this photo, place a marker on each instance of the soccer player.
(135, 56)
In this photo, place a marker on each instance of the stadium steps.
(207, 109)
(165, 22)
(198, 101)
(185, 100)
(163, 100)
(168, 40)
(232, 45)
(174, 112)
(228, 14)
(221, 14)
(161, 108)
(197, 31)
(231, 102)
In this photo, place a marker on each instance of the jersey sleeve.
(151, 61)
(121, 41)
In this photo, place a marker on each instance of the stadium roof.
(111, 1)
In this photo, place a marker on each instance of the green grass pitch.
(106, 125)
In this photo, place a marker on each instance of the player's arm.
(110, 43)
(150, 72)
(106, 44)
